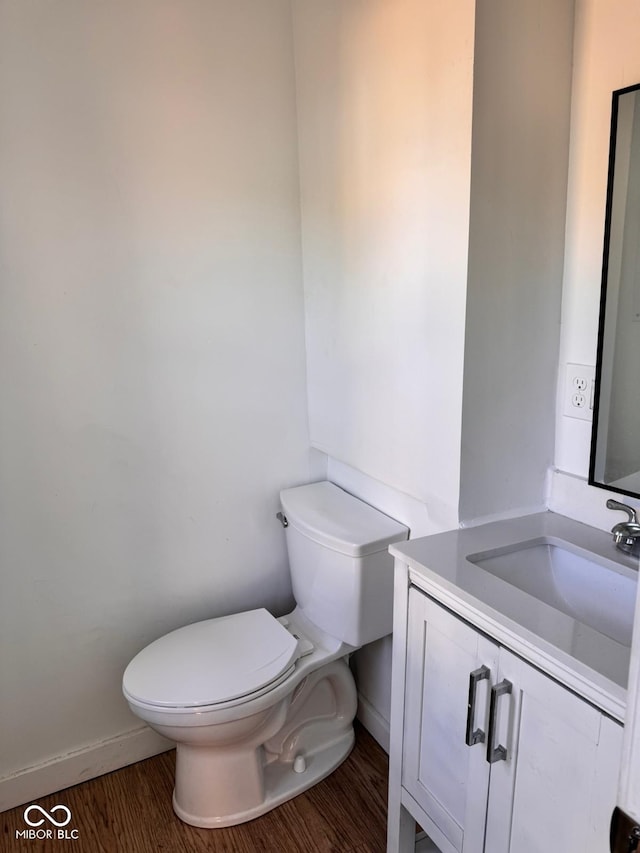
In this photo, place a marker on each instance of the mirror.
(615, 443)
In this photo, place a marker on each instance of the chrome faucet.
(626, 534)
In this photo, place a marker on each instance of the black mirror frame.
(603, 292)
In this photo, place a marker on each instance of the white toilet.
(262, 708)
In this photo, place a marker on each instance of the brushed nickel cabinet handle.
(496, 753)
(477, 735)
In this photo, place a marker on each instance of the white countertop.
(587, 661)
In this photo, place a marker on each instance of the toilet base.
(281, 783)
(268, 758)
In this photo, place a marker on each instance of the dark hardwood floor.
(129, 811)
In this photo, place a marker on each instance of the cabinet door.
(448, 778)
(556, 788)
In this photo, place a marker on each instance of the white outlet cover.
(579, 391)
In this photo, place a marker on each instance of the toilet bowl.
(261, 708)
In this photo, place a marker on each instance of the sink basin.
(592, 590)
(554, 591)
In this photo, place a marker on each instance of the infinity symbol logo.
(48, 815)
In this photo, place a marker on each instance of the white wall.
(152, 360)
(605, 58)
(522, 86)
(384, 106)
(433, 158)
(152, 356)
(384, 115)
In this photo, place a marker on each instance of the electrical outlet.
(579, 389)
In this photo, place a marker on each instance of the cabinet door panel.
(556, 774)
(448, 778)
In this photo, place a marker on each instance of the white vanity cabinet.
(488, 753)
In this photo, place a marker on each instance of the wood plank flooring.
(129, 811)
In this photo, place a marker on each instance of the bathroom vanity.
(510, 662)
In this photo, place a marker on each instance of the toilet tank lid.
(332, 517)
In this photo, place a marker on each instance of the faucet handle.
(633, 518)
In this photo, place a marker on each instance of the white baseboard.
(373, 722)
(63, 771)
(80, 766)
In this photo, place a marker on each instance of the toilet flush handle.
(282, 518)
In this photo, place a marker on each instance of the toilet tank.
(341, 570)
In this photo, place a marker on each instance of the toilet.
(261, 708)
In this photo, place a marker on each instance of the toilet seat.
(219, 661)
